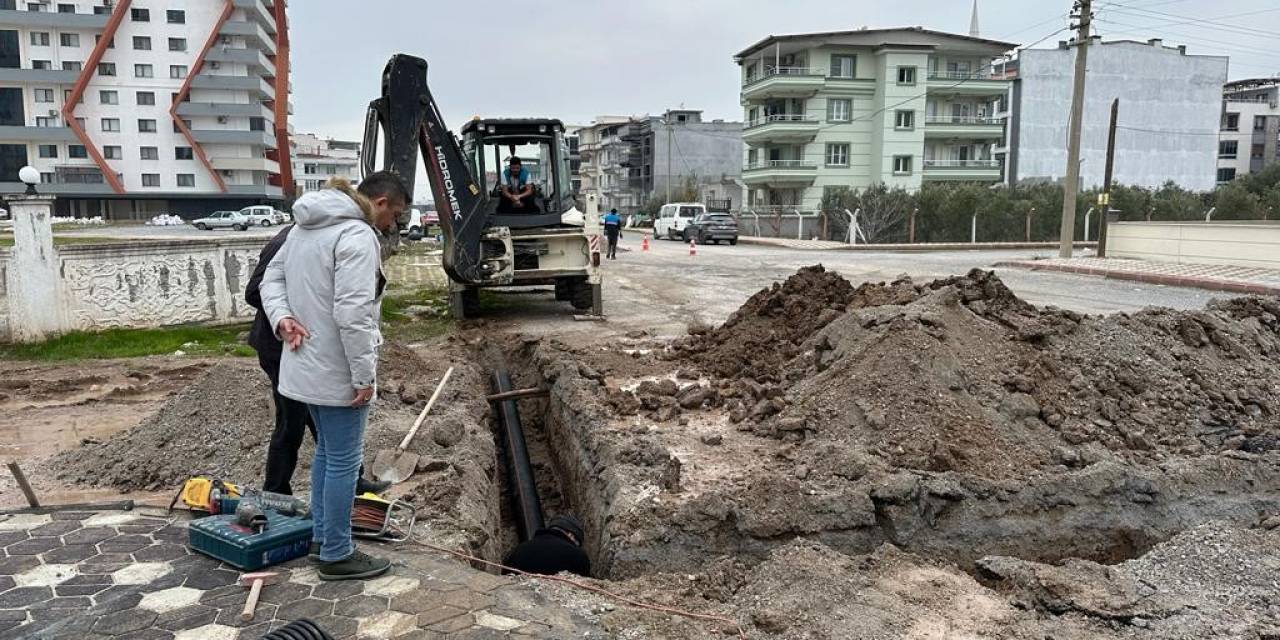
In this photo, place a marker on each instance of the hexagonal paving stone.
(387, 624)
(92, 535)
(208, 632)
(24, 597)
(255, 631)
(141, 573)
(24, 522)
(32, 546)
(438, 613)
(170, 599)
(9, 537)
(308, 576)
(285, 592)
(10, 566)
(147, 634)
(454, 625)
(109, 519)
(71, 553)
(125, 544)
(161, 552)
(6, 583)
(46, 575)
(124, 621)
(304, 608)
(337, 626)
(230, 614)
(360, 606)
(205, 580)
(497, 622)
(187, 618)
(108, 603)
(337, 589)
(390, 586)
(55, 529)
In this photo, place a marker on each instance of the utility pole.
(1084, 13)
(1106, 180)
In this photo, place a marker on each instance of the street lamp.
(31, 176)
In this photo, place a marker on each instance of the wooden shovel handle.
(404, 444)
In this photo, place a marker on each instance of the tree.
(1233, 201)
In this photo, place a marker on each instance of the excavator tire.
(564, 289)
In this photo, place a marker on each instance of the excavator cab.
(549, 244)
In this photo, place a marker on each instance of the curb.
(1211, 284)
(917, 247)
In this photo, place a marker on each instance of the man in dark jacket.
(292, 417)
(556, 548)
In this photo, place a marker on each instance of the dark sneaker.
(313, 554)
(371, 486)
(358, 566)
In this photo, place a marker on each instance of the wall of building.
(705, 151)
(1248, 244)
(1177, 97)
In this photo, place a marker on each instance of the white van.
(673, 218)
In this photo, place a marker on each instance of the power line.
(1169, 132)
(1208, 23)
(1229, 46)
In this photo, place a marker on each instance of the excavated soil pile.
(961, 375)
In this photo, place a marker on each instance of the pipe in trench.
(524, 491)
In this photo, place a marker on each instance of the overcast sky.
(575, 59)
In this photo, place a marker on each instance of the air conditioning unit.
(214, 65)
(222, 119)
(225, 39)
(53, 112)
(227, 173)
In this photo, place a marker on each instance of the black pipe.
(524, 491)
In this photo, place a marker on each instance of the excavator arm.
(410, 124)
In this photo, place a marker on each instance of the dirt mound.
(217, 426)
(960, 374)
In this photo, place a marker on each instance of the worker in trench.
(552, 549)
(322, 293)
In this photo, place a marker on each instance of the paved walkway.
(1248, 280)
(120, 575)
(819, 245)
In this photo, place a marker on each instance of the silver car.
(223, 220)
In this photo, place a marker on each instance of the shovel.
(396, 465)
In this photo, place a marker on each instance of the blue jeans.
(334, 471)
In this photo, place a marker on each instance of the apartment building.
(1249, 139)
(1170, 105)
(134, 107)
(632, 159)
(317, 159)
(855, 108)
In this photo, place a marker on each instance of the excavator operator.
(517, 191)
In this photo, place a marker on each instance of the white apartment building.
(316, 160)
(850, 109)
(1250, 137)
(134, 107)
(1170, 105)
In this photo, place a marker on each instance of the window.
(146, 98)
(901, 165)
(142, 71)
(69, 39)
(904, 119)
(186, 179)
(102, 11)
(44, 65)
(182, 153)
(309, 169)
(842, 66)
(146, 125)
(178, 129)
(141, 43)
(1228, 149)
(68, 65)
(66, 96)
(48, 150)
(46, 177)
(1231, 122)
(45, 121)
(1258, 151)
(40, 38)
(177, 71)
(109, 97)
(35, 7)
(906, 75)
(1259, 123)
(150, 179)
(44, 95)
(77, 151)
(140, 15)
(66, 8)
(149, 153)
(176, 16)
(838, 110)
(111, 124)
(1226, 174)
(112, 152)
(177, 44)
(111, 44)
(106, 68)
(837, 155)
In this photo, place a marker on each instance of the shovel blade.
(394, 466)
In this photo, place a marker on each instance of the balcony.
(234, 136)
(780, 173)
(258, 12)
(28, 19)
(252, 57)
(41, 76)
(245, 164)
(257, 36)
(973, 83)
(37, 134)
(781, 128)
(784, 82)
(963, 127)
(258, 87)
(228, 109)
(962, 170)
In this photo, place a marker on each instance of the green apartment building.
(857, 108)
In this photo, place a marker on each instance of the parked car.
(420, 222)
(263, 215)
(674, 217)
(223, 220)
(712, 227)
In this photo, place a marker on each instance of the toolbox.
(284, 539)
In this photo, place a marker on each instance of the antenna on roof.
(973, 21)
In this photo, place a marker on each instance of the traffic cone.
(644, 244)
(693, 247)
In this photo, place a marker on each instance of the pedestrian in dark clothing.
(612, 231)
(292, 417)
(556, 548)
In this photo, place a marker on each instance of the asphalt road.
(664, 289)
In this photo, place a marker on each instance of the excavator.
(550, 242)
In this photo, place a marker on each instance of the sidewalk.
(1249, 280)
(818, 245)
